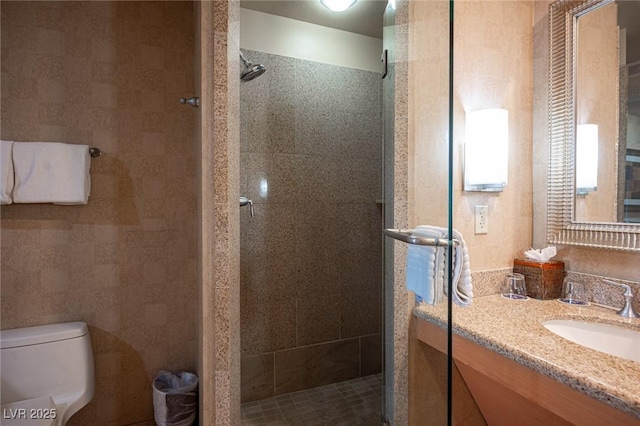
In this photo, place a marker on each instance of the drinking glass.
(514, 286)
(573, 293)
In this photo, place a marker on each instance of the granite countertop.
(513, 328)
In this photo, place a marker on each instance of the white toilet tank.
(48, 361)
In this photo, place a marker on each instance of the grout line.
(274, 373)
(360, 356)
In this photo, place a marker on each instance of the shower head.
(250, 71)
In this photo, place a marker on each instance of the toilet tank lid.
(41, 334)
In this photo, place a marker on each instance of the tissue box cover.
(543, 280)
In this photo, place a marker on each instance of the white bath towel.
(426, 268)
(51, 172)
(462, 285)
(6, 172)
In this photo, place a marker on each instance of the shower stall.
(311, 255)
(298, 288)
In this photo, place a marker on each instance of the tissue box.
(543, 280)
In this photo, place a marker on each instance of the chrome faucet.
(627, 310)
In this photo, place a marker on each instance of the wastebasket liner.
(175, 398)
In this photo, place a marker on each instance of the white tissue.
(542, 255)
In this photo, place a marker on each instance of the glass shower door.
(418, 154)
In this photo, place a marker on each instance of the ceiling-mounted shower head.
(250, 71)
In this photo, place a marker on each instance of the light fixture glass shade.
(586, 158)
(486, 153)
(338, 5)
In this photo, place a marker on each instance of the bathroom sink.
(612, 340)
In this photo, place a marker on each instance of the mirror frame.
(562, 228)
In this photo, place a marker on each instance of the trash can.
(175, 398)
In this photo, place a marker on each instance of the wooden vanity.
(509, 369)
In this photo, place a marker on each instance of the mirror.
(596, 103)
(594, 122)
(629, 21)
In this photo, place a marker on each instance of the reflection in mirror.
(629, 21)
(586, 163)
(596, 103)
(594, 84)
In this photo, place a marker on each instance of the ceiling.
(365, 17)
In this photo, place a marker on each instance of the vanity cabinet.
(489, 388)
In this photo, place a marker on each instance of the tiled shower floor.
(355, 402)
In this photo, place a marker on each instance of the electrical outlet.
(482, 219)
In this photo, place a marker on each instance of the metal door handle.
(244, 201)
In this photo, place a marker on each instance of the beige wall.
(107, 74)
(263, 32)
(493, 48)
(492, 69)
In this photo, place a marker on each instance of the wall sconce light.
(338, 5)
(486, 152)
(586, 158)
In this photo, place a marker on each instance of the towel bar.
(95, 152)
(406, 236)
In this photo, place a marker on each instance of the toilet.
(46, 372)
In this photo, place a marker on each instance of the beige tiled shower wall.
(109, 75)
(311, 265)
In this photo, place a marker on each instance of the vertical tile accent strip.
(397, 395)
(219, 298)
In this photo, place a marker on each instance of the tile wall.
(311, 265)
(107, 74)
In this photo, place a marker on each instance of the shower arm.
(247, 64)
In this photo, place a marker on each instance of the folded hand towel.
(462, 286)
(426, 268)
(440, 277)
(51, 172)
(6, 172)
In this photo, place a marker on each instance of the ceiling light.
(338, 5)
